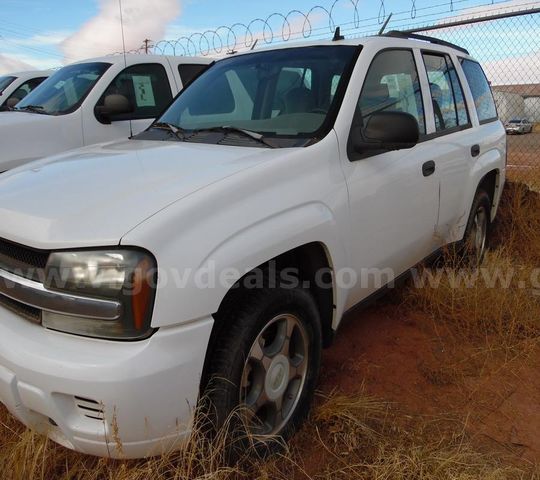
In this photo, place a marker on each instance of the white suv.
(214, 255)
(93, 101)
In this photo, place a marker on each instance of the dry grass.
(357, 437)
(500, 301)
(354, 438)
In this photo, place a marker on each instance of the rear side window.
(145, 86)
(447, 96)
(481, 91)
(188, 71)
(392, 85)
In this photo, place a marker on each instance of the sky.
(39, 34)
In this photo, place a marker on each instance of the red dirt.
(396, 356)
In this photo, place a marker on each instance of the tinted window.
(481, 91)
(189, 71)
(392, 85)
(145, 86)
(446, 93)
(26, 88)
(284, 92)
(6, 82)
(64, 91)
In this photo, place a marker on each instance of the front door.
(394, 196)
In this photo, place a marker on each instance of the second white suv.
(93, 101)
(214, 255)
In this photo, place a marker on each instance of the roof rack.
(425, 38)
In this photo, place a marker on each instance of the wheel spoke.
(257, 353)
(278, 407)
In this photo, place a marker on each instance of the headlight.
(125, 276)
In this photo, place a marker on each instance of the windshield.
(288, 93)
(6, 82)
(64, 91)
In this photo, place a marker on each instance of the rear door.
(394, 196)
(454, 141)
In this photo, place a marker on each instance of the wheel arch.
(308, 260)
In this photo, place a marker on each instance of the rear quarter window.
(481, 91)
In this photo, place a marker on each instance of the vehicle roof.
(29, 73)
(143, 57)
(380, 40)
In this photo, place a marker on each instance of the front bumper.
(112, 399)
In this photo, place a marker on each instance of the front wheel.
(265, 364)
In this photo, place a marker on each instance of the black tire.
(471, 251)
(241, 324)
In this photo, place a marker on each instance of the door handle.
(428, 168)
(475, 150)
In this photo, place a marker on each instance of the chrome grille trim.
(34, 294)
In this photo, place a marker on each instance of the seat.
(299, 100)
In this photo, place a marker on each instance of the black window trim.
(487, 120)
(151, 117)
(353, 156)
(458, 128)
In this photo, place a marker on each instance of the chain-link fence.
(509, 49)
(503, 35)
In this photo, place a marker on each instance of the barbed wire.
(318, 21)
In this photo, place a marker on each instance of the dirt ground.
(405, 359)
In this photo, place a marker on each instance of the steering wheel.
(319, 110)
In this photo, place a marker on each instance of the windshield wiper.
(247, 133)
(169, 127)
(33, 109)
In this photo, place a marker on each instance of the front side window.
(6, 82)
(286, 93)
(447, 96)
(145, 86)
(392, 85)
(64, 91)
(480, 89)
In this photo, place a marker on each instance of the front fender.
(207, 241)
(194, 291)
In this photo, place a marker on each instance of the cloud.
(9, 64)
(512, 70)
(102, 34)
(44, 39)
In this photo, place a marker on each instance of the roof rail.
(425, 38)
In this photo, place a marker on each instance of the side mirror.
(113, 105)
(386, 131)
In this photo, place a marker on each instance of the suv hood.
(95, 195)
(25, 136)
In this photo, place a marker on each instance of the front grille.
(24, 261)
(25, 311)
